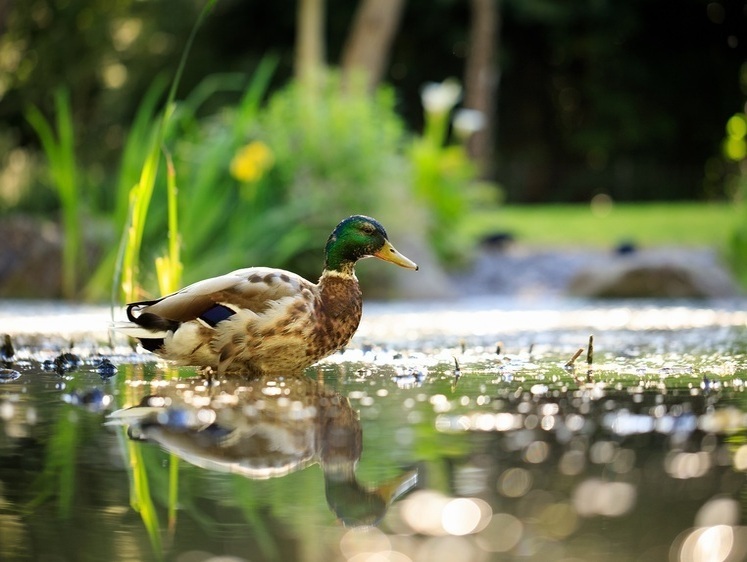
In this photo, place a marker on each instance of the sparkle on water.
(445, 432)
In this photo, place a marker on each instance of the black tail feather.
(148, 320)
(138, 306)
(151, 344)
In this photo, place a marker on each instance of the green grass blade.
(169, 268)
(141, 499)
(60, 152)
(183, 62)
(140, 197)
(257, 89)
(134, 153)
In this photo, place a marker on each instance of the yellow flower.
(252, 161)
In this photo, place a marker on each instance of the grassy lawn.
(646, 224)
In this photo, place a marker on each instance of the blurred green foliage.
(589, 98)
(337, 152)
(259, 184)
(589, 102)
(734, 151)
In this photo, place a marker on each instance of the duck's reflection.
(265, 428)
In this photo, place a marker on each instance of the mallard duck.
(260, 320)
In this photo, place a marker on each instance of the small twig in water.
(590, 360)
(572, 360)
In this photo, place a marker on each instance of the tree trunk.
(481, 79)
(310, 41)
(367, 47)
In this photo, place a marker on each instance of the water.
(447, 431)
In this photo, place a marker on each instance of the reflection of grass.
(691, 224)
(140, 497)
(58, 476)
(140, 493)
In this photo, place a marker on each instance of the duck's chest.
(338, 309)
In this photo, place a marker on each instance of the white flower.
(468, 121)
(441, 97)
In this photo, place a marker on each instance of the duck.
(261, 320)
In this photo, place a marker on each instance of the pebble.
(8, 375)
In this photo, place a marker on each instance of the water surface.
(447, 431)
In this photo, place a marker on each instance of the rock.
(655, 273)
(519, 270)
(30, 258)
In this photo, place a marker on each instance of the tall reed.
(169, 267)
(142, 192)
(60, 152)
(103, 282)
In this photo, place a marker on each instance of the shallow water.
(447, 431)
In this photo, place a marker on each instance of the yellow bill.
(389, 253)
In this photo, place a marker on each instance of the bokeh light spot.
(718, 511)
(502, 533)
(708, 544)
(460, 516)
(514, 482)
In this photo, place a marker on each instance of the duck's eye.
(368, 228)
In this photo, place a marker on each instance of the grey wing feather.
(252, 288)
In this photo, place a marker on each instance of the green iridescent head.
(359, 237)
